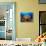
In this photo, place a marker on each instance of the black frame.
(41, 2)
(39, 21)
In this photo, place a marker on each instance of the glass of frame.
(7, 20)
(42, 22)
(42, 1)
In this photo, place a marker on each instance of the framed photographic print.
(42, 22)
(26, 16)
(7, 20)
(42, 1)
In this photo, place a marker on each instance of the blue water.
(26, 13)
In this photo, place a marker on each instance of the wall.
(31, 29)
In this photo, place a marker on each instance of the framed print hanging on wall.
(26, 16)
(42, 1)
(7, 20)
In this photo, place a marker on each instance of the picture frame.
(7, 23)
(42, 1)
(26, 16)
(42, 22)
